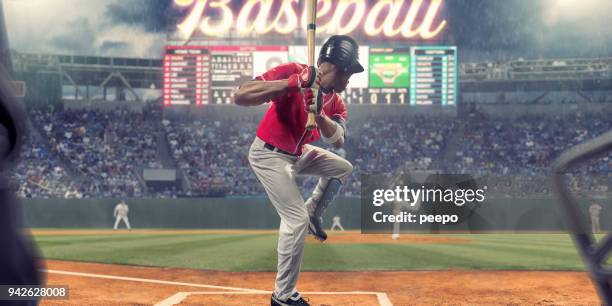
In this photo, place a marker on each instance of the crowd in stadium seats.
(105, 149)
(104, 152)
(41, 175)
(516, 152)
(213, 155)
(537, 97)
(389, 144)
(525, 145)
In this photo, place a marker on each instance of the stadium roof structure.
(132, 73)
(98, 71)
(537, 75)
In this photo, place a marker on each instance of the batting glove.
(304, 79)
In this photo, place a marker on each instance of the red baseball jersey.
(284, 123)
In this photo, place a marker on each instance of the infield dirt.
(401, 287)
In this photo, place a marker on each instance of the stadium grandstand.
(99, 129)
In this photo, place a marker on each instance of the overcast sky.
(481, 28)
(89, 27)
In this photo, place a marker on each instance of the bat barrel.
(311, 28)
(311, 48)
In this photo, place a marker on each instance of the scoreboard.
(419, 76)
(388, 75)
(186, 76)
(231, 67)
(199, 75)
(434, 79)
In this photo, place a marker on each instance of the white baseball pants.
(276, 172)
(125, 220)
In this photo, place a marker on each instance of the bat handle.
(312, 109)
(311, 123)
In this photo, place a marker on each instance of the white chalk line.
(155, 281)
(383, 299)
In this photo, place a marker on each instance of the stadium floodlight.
(575, 11)
(594, 255)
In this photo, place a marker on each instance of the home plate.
(247, 298)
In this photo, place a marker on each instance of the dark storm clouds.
(482, 29)
(151, 14)
(76, 37)
(107, 46)
(529, 28)
(493, 28)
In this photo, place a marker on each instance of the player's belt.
(275, 149)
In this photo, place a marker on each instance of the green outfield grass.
(257, 252)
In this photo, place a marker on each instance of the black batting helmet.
(342, 51)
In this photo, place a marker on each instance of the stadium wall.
(257, 213)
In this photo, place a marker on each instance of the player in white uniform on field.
(399, 207)
(336, 224)
(595, 211)
(121, 213)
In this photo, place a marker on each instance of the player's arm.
(257, 92)
(333, 127)
(331, 131)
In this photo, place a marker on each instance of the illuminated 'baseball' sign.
(390, 18)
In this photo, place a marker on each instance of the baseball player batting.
(281, 151)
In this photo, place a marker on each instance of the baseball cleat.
(294, 300)
(315, 227)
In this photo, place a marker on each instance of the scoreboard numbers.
(200, 75)
(230, 68)
(417, 76)
(186, 76)
(434, 78)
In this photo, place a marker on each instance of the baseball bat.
(311, 28)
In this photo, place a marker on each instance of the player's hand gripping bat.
(311, 27)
